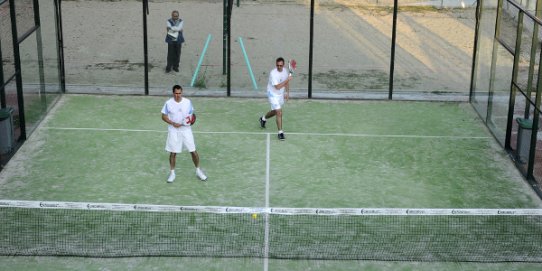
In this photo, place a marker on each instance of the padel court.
(337, 154)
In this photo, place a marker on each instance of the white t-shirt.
(275, 78)
(178, 112)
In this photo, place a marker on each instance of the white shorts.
(177, 138)
(276, 101)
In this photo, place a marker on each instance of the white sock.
(173, 171)
(281, 132)
(264, 119)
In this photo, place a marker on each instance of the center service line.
(267, 169)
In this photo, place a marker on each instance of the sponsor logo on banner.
(415, 212)
(49, 205)
(294, 211)
(236, 210)
(370, 211)
(460, 212)
(95, 206)
(142, 207)
(327, 211)
(506, 212)
(189, 209)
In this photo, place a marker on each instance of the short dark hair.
(176, 87)
(279, 59)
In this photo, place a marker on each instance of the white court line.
(260, 133)
(267, 169)
(267, 176)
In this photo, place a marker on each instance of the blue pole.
(200, 60)
(248, 63)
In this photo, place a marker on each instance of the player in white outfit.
(179, 114)
(278, 89)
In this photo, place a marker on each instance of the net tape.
(261, 210)
(120, 230)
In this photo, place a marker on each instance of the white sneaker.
(201, 175)
(171, 177)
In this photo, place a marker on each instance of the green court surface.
(233, 264)
(337, 154)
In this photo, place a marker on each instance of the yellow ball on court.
(254, 216)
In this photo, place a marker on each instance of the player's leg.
(278, 113)
(172, 159)
(275, 104)
(199, 172)
(270, 114)
(195, 158)
(173, 146)
(279, 118)
(188, 141)
(267, 115)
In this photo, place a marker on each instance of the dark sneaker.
(168, 70)
(281, 136)
(262, 123)
(176, 69)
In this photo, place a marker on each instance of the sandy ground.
(352, 45)
(104, 45)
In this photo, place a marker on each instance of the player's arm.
(285, 83)
(166, 119)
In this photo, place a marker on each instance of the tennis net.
(130, 230)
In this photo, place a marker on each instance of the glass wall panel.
(34, 101)
(12, 102)
(537, 169)
(268, 30)
(103, 46)
(530, 5)
(352, 48)
(50, 54)
(526, 82)
(508, 26)
(202, 20)
(9, 89)
(6, 41)
(519, 140)
(500, 90)
(482, 74)
(526, 77)
(25, 16)
(536, 67)
(434, 47)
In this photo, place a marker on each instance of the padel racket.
(192, 119)
(292, 64)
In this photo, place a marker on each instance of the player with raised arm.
(178, 113)
(278, 89)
